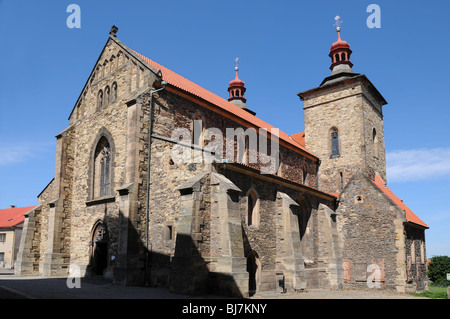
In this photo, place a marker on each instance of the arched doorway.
(99, 249)
(254, 271)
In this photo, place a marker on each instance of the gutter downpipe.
(149, 152)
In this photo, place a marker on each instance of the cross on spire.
(236, 64)
(338, 23)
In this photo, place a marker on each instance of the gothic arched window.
(334, 142)
(102, 168)
(107, 95)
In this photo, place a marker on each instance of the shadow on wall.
(132, 264)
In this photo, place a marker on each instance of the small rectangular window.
(2, 238)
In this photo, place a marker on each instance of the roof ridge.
(187, 85)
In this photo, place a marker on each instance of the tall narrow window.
(305, 173)
(375, 143)
(251, 207)
(341, 181)
(107, 95)
(102, 168)
(334, 142)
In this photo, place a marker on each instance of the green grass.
(434, 292)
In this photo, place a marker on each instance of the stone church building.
(143, 193)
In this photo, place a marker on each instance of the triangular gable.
(99, 59)
(410, 216)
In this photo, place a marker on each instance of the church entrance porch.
(99, 250)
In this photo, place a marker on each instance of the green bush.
(438, 269)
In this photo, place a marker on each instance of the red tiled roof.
(186, 85)
(299, 138)
(410, 216)
(12, 216)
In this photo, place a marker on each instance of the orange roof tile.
(410, 216)
(186, 85)
(299, 138)
(12, 216)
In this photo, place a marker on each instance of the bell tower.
(344, 122)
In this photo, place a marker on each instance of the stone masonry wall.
(370, 229)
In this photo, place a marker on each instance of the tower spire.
(237, 90)
(237, 87)
(340, 52)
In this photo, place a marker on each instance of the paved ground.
(14, 287)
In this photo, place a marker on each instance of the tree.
(438, 269)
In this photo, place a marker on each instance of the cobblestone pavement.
(14, 287)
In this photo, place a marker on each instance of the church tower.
(344, 122)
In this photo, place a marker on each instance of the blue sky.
(283, 47)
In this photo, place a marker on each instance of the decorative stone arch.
(107, 66)
(98, 248)
(252, 208)
(107, 97)
(114, 92)
(113, 63)
(100, 99)
(102, 135)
